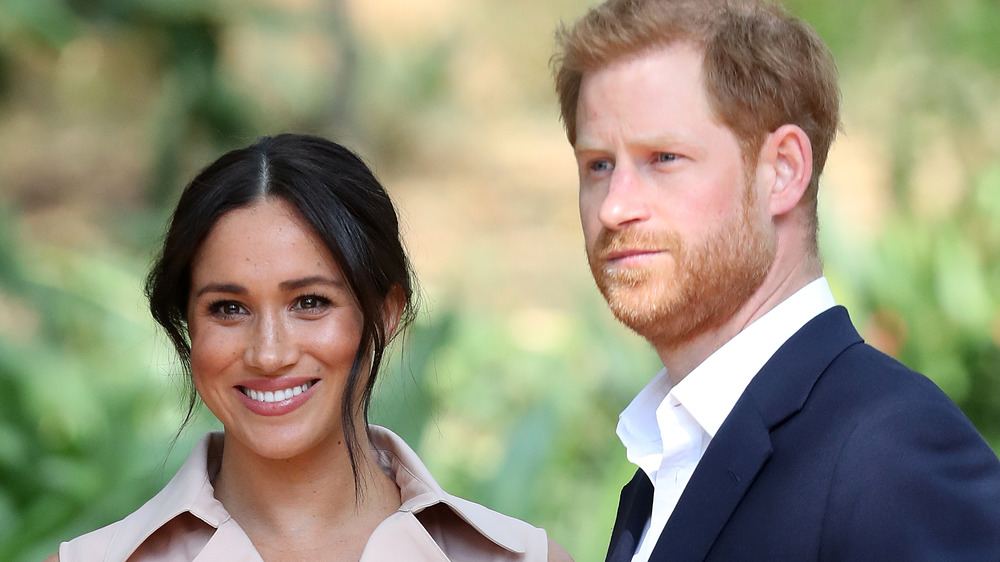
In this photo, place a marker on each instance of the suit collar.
(634, 509)
(743, 443)
(711, 390)
(784, 384)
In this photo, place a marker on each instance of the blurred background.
(107, 107)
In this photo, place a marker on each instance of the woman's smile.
(274, 331)
(276, 395)
(276, 402)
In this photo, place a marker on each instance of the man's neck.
(681, 359)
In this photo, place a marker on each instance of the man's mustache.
(630, 239)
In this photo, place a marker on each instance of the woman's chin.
(282, 444)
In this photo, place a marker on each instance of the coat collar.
(743, 443)
(191, 490)
(419, 490)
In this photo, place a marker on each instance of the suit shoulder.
(877, 399)
(913, 474)
(870, 377)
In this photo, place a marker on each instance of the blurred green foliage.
(107, 106)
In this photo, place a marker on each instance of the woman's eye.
(227, 309)
(666, 157)
(312, 302)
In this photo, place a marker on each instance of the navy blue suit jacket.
(835, 451)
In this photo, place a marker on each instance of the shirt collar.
(637, 425)
(710, 391)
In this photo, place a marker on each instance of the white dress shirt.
(666, 430)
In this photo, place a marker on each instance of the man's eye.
(600, 166)
(666, 157)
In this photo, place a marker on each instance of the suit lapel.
(634, 508)
(743, 444)
(729, 466)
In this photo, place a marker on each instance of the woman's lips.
(275, 397)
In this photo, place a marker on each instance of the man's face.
(676, 234)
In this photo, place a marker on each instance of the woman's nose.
(271, 349)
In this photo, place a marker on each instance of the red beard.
(694, 289)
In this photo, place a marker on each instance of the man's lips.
(627, 255)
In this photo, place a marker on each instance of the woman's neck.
(306, 504)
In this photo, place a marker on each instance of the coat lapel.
(634, 508)
(743, 444)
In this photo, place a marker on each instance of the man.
(773, 433)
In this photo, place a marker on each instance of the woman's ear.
(392, 311)
(789, 153)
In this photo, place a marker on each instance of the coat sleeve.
(914, 481)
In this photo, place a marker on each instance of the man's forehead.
(648, 52)
(654, 82)
(662, 65)
(644, 82)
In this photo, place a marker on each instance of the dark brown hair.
(338, 196)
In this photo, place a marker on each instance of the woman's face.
(274, 330)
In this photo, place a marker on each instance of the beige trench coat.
(184, 522)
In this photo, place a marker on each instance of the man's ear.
(789, 154)
(392, 311)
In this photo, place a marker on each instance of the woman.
(281, 281)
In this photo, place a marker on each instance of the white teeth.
(277, 395)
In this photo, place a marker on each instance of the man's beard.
(702, 286)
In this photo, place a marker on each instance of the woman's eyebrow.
(307, 281)
(234, 289)
(231, 288)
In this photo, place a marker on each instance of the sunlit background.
(511, 382)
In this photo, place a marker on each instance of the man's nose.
(624, 202)
(271, 349)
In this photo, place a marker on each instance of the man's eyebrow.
(312, 280)
(231, 288)
(586, 145)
